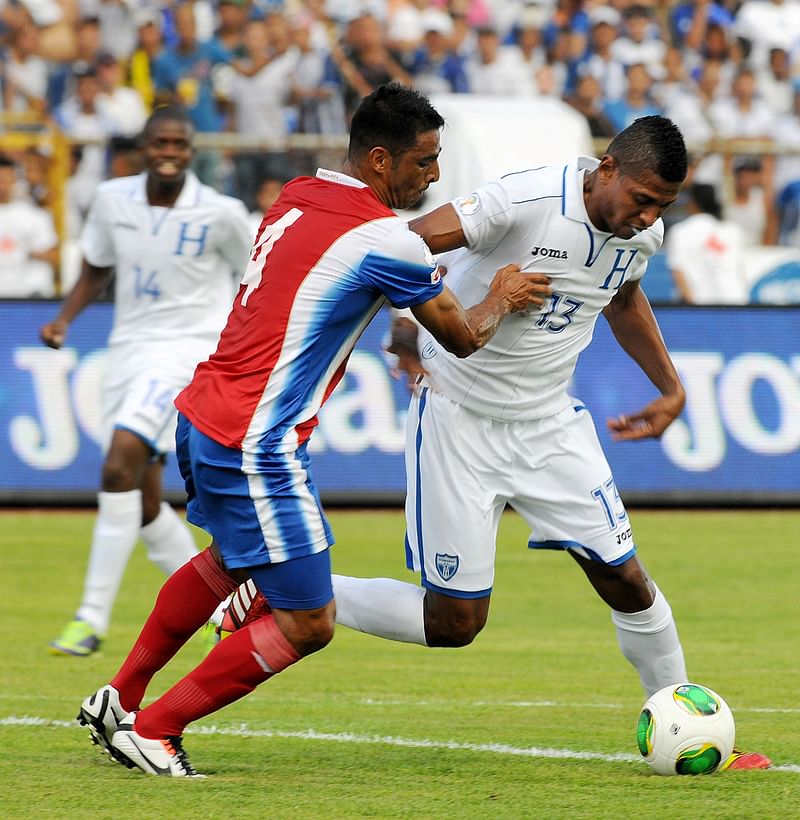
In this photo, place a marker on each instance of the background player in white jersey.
(327, 256)
(499, 427)
(174, 246)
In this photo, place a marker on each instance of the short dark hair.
(705, 197)
(7, 162)
(171, 113)
(654, 144)
(393, 116)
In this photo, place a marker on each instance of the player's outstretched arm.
(441, 229)
(632, 321)
(89, 286)
(461, 330)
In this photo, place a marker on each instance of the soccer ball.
(685, 729)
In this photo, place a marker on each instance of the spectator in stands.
(122, 105)
(25, 73)
(54, 20)
(268, 190)
(437, 67)
(689, 107)
(185, 75)
(787, 173)
(494, 72)
(124, 157)
(775, 82)
(261, 92)
(527, 44)
(689, 22)
(82, 118)
(404, 29)
(233, 15)
(674, 81)
(35, 163)
(743, 116)
(28, 242)
(318, 102)
(117, 25)
(767, 24)
(567, 31)
(148, 46)
(599, 61)
(362, 62)
(62, 79)
(587, 99)
(641, 43)
(751, 205)
(704, 253)
(636, 102)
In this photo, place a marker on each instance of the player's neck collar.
(339, 177)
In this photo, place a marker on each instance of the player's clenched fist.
(520, 290)
(54, 333)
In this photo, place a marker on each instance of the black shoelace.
(177, 745)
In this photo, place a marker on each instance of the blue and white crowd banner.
(737, 441)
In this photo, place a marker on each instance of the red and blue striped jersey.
(326, 257)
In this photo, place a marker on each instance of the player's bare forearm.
(89, 286)
(441, 229)
(635, 328)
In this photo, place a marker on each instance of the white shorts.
(462, 469)
(138, 396)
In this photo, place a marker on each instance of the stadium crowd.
(265, 69)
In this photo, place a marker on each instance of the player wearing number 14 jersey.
(176, 248)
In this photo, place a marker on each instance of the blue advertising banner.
(738, 439)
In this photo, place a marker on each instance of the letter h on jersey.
(186, 239)
(619, 268)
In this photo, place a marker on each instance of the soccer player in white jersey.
(499, 427)
(176, 248)
(328, 254)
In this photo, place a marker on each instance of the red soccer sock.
(230, 671)
(186, 601)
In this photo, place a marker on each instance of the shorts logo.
(469, 205)
(446, 565)
(436, 276)
(553, 253)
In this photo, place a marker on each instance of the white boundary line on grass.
(494, 704)
(243, 730)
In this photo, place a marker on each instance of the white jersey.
(25, 229)
(536, 219)
(710, 254)
(176, 268)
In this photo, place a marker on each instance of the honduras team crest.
(446, 565)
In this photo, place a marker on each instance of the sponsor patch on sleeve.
(469, 205)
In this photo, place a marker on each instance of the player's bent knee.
(626, 587)
(307, 630)
(453, 622)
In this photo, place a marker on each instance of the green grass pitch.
(535, 719)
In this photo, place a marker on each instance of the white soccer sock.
(168, 540)
(649, 640)
(170, 545)
(381, 606)
(119, 516)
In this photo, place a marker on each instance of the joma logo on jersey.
(552, 253)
